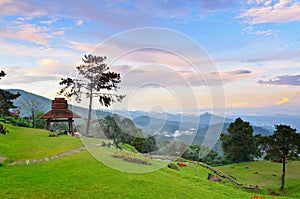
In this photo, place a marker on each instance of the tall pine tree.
(284, 144)
(95, 81)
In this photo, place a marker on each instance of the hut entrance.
(60, 113)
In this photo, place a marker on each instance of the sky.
(173, 56)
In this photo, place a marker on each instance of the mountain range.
(166, 126)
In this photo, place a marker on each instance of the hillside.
(267, 174)
(80, 175)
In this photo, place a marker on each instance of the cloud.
(282, 101)
(278, 55)
(27, 32)
(264, 11)
(48, 69)
(48, 22)
(293, 80)
(235, 75)
(20, 50)
(79, 22)
(216, 4)
(268, 32)
(50, 66)
(156, 75)
(86, 47)
(118, 13)
(16, 75)
(20, 8)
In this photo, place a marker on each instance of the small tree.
(34, 107)
(95, 81)
(283, 144)
(111, 128)
(40, 123)
(239, 143)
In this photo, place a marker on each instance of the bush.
(17, 122)
(221, 161)
(132, 158)
(53, 134)
(127, 147)
(174, 166)
(3, 129)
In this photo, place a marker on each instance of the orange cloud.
(282, 101)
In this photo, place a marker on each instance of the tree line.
(241, 145)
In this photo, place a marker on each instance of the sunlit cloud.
(262, 11)
(47, 69)
(20, 7)
(85, 47)
(27, 32)
(282, 101)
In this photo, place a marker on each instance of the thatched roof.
(60, 110)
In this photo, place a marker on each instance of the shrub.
(53, 134)
(174, 166)
(17, 122)
(3, 129)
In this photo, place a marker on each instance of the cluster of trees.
(12, 113)
(193, 152)
(6, 99)
(240, 144)
(124, 131)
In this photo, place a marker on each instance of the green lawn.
(265, 177)
(29, 143)
(81, 175)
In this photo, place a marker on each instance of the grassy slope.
(265, 177)
(28, 143)
(82, 176)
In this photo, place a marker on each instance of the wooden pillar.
(71, 128)
(48, 124)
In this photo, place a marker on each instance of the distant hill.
(210, 119)
(25, 96)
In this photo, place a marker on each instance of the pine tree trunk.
(283, 174)
(90, 113)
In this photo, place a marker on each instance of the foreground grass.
(265, 177)
(82, 176)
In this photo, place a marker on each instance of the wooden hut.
(60, 113)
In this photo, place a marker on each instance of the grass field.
(82, 176)
(29, 143)
(265, 178)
